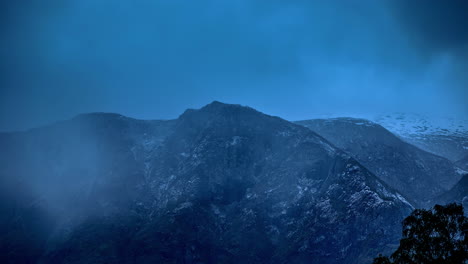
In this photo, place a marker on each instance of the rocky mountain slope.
(443, 136)
(420, 175)
(222, 184)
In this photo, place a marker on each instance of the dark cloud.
(435, 25)
(154, 58)
(438, 31)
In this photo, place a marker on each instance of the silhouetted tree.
(381, 260)
(435, 236)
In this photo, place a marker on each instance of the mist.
(59, 177)
(102, 162)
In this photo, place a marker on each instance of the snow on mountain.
(416, 173)
(440, 135)
(444, 136)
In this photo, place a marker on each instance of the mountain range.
(418, 174)
(220, 184)
(443, 136)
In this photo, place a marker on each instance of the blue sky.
(152, 59)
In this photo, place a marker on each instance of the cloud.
(154, 58)
(436, 26)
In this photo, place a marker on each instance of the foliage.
(381, 260)
(435, 236)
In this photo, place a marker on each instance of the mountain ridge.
(224, 183)
(400, 164)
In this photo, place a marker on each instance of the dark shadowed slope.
(463, 163)
(223, 184)
(459, 193)
(418, 174)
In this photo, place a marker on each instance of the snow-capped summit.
(416, 173)
(440, 135)
(444, 136)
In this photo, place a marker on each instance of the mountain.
(463, 163)
(222, 184)
(446, 137)
(458, 194)
(443, 136)
(419, 175)
(54, 177)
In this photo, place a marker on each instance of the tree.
(435, 236)
(381, 260)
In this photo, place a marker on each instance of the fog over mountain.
(221, 184)
(247, 131)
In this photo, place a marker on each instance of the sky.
(152, 59)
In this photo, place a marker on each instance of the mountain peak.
(100, 115)
(217, 106)
(218, 103)
(218, 109)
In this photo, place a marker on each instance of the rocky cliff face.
(419, 175)
(222, 184)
